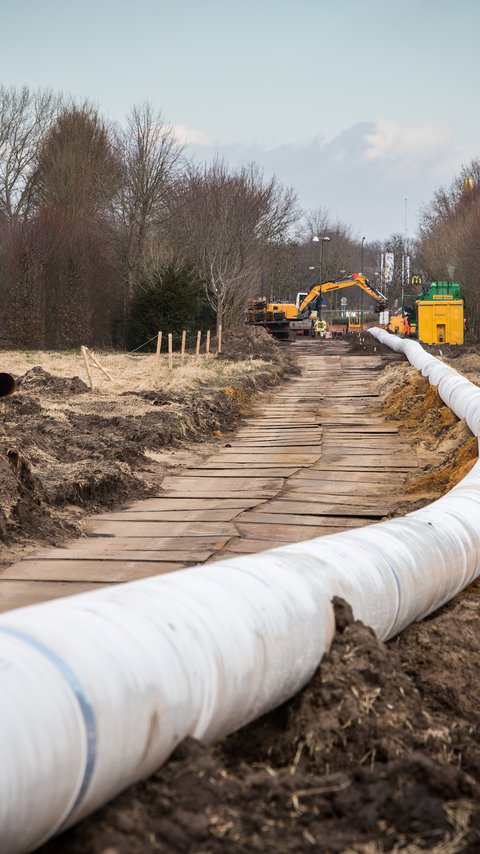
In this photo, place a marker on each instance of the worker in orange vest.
(406, 325)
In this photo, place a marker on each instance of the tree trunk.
(219, 315)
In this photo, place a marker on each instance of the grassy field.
(131, 371)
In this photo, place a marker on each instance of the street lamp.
(321, 240)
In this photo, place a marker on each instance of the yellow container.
(440, 321)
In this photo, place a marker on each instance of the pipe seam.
(84, 704)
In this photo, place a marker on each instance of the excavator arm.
(355, 279)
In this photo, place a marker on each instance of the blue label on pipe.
(84, 703)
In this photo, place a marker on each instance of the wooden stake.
(219, 339)
(170, 351)
(197, 348)
(159, 347)
(87, 367)
(182, 350)
(97, 363)
(207, 346)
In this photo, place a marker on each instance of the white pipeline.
(96, 690)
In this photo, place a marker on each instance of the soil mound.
(445, 447)
(374, 755)
(39, 380)
(255, 343)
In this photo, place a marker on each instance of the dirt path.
(310, 461)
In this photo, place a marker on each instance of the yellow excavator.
(305, 315)
(316, 292)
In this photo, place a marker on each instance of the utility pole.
(405, 250)
(361, 297)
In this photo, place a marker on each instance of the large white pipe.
(96, 690)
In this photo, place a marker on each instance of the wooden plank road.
(315, 458)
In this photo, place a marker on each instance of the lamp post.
(321, 240)
(361, 298)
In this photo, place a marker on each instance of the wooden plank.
(235, 484)
(363, 430)
(265, 452)
(352, 449)
(270, 447)
(290, 520)
(346, 500)
(354, 478)
(292, 533)
(108, 572)
(313, 487)
(277, 457)
(342, 488)
(329, 516)
(18, 594)
(105, 543)
(141, 556)
(259, 494)
(158, 529)
(194, 503)
(241, 546)
(216, 469)
(333, 461)
(168, 515)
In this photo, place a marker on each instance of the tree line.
(108, 233)
(103, 227)
(448, 247)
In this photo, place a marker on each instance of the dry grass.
(131, 371)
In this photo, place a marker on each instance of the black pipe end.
(7, 385)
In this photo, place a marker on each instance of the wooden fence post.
(97, 363)
(170, 351)
(207, 345)
(159, 347)
(87, 367)
(197, 348)
(182, 350)
(219, 339)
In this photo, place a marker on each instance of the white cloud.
(390, 140)
(362, 175)
(189, 136)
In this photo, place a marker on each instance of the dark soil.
(381, 749)
(254, 343)
(63, 453)
(367, 345)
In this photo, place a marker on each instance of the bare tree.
(221, 222)
(151, 157)
(25, 116)
(449, 245)
(77, 175)
(341, 257)
(78, 171)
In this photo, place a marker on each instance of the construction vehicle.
(313, 299)
(278, 319)
(435, 316)
(304, 316)
(337, 326)
(273, 320)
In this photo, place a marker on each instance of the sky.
(358, 105)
